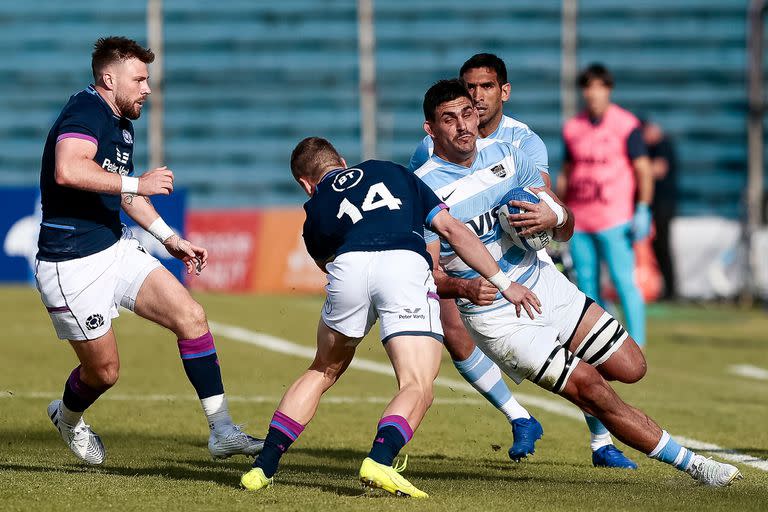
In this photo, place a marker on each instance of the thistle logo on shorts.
(94, 321)
(328, 306)
(499, 171)
(411, 313)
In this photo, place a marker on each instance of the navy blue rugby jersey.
(77, 223)
(373, 206)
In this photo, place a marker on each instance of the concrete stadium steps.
(246, 80)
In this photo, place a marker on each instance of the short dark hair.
(595, 71)
(107, 50)
(442, 91)
(312, 156)
(486, 60)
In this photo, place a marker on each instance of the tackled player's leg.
(599, 340)
(534, 351)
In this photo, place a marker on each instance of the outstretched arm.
(472, 251)
(141, 210)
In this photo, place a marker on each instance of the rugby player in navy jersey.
(364, 228)
(89, 264)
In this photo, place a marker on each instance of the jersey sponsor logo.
(110, 166)
(94, 321)
(412, 313)
(122, 156)
(347, 179)
(499, 171)
(127, 137)
(485, 222)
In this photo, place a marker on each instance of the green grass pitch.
(155, 433)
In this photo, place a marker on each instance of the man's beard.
(127, 107)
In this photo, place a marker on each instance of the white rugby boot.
(230, 440)
(81, 440)
(713, 473)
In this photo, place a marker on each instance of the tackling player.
(574, 347)
(364, 228)
(89, 264)
(485, 76)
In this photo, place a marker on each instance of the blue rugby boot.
(525, 432)
(609, 456)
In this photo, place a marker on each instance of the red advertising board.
(254, 251)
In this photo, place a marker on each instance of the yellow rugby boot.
(375, 475)
(255, 480)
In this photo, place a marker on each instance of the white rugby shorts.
(395, 286)
(82, 295)
(523, 347)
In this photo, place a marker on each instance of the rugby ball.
(535, 242)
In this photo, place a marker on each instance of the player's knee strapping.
(554, 373)
(605, 338)
(201, 365)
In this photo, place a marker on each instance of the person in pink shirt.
(608, 184)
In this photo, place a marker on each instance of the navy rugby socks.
(393, 433)
(78, 396)
(202, 365)
(283, 431)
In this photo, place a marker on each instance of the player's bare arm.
(470, 249)
(75, 168)
(141, 210)
(541, 216)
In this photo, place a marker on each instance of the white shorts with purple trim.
(82, 295)
(393, 286)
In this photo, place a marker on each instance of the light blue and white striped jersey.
(509, 130)
(474, 195)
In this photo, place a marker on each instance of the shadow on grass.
(330, 470)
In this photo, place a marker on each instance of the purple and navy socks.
(392, 434)
(283, 431)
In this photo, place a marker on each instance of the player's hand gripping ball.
(533, 242)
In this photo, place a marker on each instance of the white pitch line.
(52, 395)
(724, 453)
(565, 409)
(749, 371)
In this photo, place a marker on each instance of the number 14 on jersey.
(378, 196)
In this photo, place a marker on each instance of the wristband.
(500, 280)
(129, 185)
(562, 216)
(160, 230)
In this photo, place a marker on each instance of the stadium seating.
(246, 80)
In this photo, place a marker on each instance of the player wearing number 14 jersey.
(365, 228)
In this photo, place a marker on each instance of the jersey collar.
(329, 173)
(91, 89)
